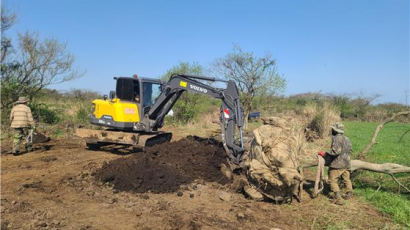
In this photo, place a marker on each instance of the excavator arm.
(231, 111)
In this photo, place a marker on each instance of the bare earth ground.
(57, 189)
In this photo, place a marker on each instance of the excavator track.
(96, 138)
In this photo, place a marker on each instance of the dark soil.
(163, 168)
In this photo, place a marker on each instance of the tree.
(183, 68)
(187, 105)
(35, 65)
(255, 76)
(7, 20)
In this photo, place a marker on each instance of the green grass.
(57, 133)
(394, 204)
(393, 145)
(253, 124)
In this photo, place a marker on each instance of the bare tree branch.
(253, 75)
(36, 65)
(398, 182)
(376, 133)
(7, 20)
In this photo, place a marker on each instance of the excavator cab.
(132, 99)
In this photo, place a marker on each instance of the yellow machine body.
(119, 111)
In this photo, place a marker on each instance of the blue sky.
(355, 47)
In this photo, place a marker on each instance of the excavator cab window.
(128, 89)
(151, 91)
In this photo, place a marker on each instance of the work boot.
(338, 199)
(347, 195)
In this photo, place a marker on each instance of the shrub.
(82, 94)
(316, 125)
(186, 108)
(82, 115)
(43, 113)
(301, 101)
(318, 120)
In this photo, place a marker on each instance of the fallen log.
(386, 168)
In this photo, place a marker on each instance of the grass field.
(393, 145)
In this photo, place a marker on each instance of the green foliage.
(393, 144)
(183, 68)
(58, 132)
(83, 115)
(316, 124)
(351, 108)
(253, 124)
(43, 113)
(394, 107)
(396, 205)
(35, 65)
(10, 86)
(82, 95)
(187, 106)
(185, 110)
(301, 101)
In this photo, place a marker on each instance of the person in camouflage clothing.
(22, 122)
(339, 163)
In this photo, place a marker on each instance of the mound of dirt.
(163, 168)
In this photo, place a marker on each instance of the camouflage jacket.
(340, 152)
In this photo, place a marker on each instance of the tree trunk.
(245, 119)
(387, 168)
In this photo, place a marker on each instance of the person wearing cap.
(339, 166)
(21, 121)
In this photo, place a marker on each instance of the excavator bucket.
(103, 137)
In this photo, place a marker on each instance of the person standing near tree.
(22, 122)
(339, 166)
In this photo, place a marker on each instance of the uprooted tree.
(278, 155)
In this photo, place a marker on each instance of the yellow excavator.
(133, 113)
